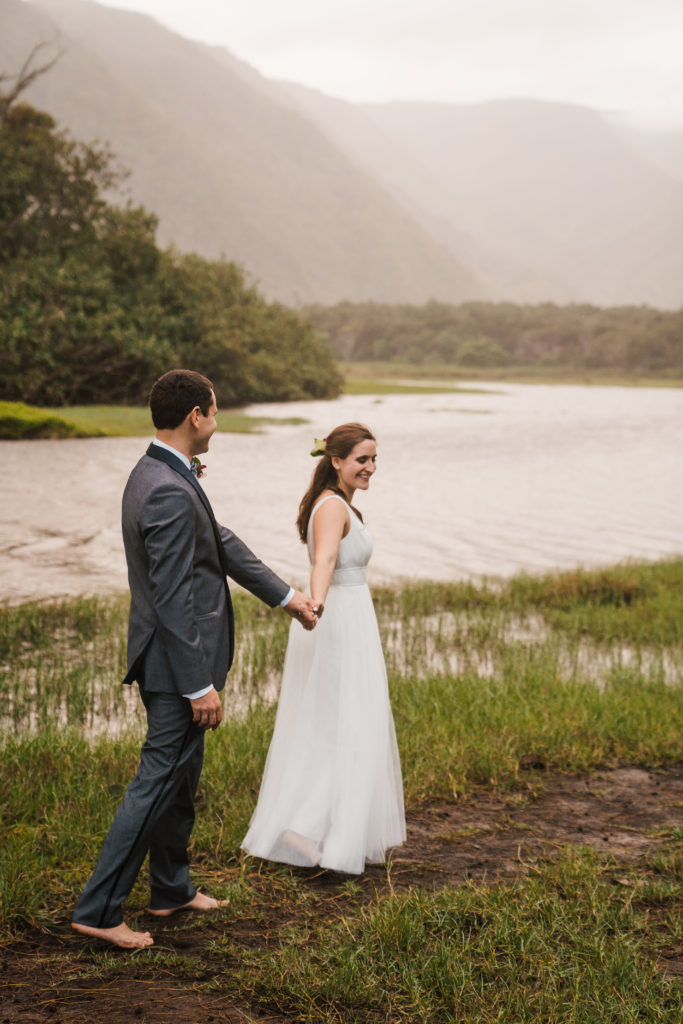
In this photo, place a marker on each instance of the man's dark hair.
(176, 394)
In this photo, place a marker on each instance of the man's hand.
(300, 607)
(207, 711)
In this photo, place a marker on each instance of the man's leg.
(169, 863)
(169, 754)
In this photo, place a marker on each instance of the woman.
(331, 793)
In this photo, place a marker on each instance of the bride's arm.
(330, 524)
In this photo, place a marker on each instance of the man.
(180, 647)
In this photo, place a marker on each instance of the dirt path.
(489, 836)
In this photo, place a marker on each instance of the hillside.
(227, 169)
(322, 200)
(545, 200)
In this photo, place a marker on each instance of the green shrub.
(19, 422)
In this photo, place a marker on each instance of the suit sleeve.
(170, 547)
(250, 572)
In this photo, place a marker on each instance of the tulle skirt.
(332, 793)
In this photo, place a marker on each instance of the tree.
(50, 188)
(91, 310)
(24, 77)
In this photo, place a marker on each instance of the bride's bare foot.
(121, 935)
(201, 902)
(302, 845)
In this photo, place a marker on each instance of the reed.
(569, 671)
(565, 944)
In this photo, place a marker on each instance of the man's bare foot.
(121, 935)
(199, 902)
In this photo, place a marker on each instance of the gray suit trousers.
(155, 815)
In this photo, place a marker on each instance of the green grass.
(563, 945)
(367, 374)
(19, 421)
(358, 385)
(575, 671)
(481, 677)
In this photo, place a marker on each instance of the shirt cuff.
(198, 693)
(287, 598)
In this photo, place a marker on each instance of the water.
(519, 477)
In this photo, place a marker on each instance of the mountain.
(664, 149)
(228, 169)
(323, 200)
(545, 200)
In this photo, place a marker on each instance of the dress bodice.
(355, 548)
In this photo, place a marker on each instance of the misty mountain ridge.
(323, 200)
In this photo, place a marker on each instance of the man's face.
(206, 426)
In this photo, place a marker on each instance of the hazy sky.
(621, 55)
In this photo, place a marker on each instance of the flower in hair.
(319, 447)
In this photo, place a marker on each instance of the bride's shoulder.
(332, 508)
(328, 493)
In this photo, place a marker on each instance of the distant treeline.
(92, 310)
(636, 339)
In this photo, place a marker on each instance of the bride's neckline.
(332, 494)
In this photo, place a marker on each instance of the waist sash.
(353, 576)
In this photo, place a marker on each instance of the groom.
(180, 647)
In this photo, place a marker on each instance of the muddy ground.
(488, 836)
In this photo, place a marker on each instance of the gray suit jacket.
(181, 627)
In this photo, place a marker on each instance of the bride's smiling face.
(354, 472)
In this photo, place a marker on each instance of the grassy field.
(22, 422)
(377, 383)
(562, 946)
(371, 375)
(572, 671)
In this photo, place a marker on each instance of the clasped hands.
(302, 608)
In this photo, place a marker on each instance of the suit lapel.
(163, 455)
(155, 451)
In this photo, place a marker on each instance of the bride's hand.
(319, 609)
(300, 607)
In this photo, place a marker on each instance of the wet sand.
(518, 478)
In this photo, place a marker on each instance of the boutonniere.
(198, 467)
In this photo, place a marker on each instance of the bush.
(19, 422)
(92, 311)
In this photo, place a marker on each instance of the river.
(516, 477)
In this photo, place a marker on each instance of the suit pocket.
(209, 626)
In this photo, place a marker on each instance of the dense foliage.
(636, 339)
(91, 310)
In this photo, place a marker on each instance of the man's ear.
(194, 416)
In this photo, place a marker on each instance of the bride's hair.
(338, 444)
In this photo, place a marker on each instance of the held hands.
(302, 608)
(207, 711)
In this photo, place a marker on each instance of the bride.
(331, 793)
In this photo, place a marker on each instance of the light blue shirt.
(286, 599)
(179, 455)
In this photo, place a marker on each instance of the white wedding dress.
(332, 792)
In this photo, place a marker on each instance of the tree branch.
(25, 77)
